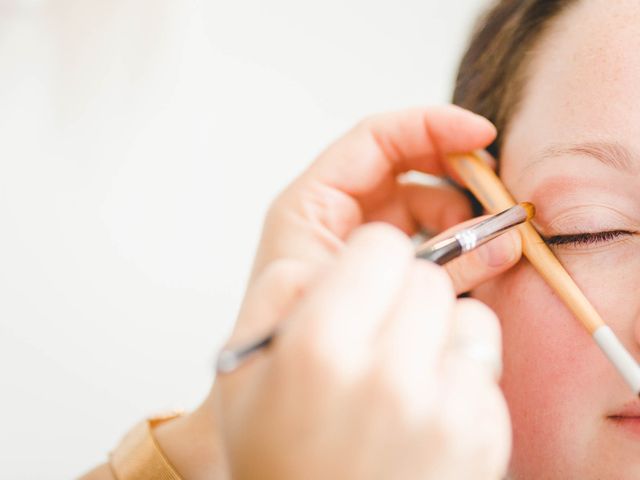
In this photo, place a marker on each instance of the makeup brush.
(443, 250)
(437, 250)
(490, 191)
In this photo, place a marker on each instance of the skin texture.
(583, 87)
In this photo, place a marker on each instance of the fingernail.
(499, 251)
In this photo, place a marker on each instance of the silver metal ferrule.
(446, 249)
(467, 239)
(497, 225)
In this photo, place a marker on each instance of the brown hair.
(492, 74)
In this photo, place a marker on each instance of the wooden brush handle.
(490, 191)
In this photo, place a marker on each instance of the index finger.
(354, 180)
(396, 142)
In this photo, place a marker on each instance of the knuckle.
(384, 236)
(436, 276)
(479, 312)
(382, 230)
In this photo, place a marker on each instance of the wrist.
(192, 444)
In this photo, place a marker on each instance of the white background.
(140, 144)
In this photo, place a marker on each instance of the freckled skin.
(584, 84)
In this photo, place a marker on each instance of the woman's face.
(573, 149)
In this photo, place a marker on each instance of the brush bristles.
(529, 208)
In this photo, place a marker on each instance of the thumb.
(485, 262)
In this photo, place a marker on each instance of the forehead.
(583, 85)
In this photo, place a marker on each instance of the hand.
(365, 380)
(351, 183)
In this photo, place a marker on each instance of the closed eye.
(587, 238)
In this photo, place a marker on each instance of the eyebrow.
(612, 154)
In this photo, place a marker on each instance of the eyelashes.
(587, 238)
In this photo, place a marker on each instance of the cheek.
(545, 376)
